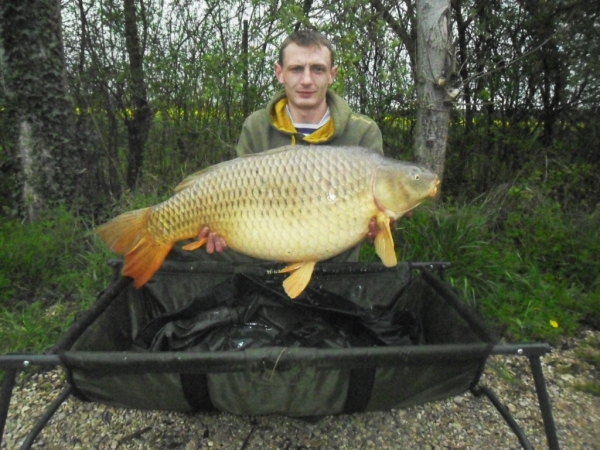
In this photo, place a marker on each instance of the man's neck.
(308, 115)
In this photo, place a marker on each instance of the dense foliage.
(525, 85)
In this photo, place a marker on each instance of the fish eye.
(417, 177)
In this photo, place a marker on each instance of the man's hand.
(373, 231)
(214, 242)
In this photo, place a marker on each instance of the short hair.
(306, 38)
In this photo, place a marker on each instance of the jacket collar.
(282, 122)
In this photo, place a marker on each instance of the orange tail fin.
(128, 235)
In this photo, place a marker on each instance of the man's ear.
(279, 72)
(333, 72)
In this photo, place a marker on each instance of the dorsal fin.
(190, 179)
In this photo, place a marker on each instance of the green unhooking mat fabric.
(224, 336)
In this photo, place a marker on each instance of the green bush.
(49, 270)
(559, 243)
(521, 265)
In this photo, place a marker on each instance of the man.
(305, 113)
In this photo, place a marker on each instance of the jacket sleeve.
(254, 137)
(372, 138)
(244, 145)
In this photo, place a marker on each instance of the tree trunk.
(435, 71)
(138, 125)
(40, 138)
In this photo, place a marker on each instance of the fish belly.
(299, 205)
(305, 236)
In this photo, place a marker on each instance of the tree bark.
(435, 71)
(41, 137)
(138, 125)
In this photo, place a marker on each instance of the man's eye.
(319, 69)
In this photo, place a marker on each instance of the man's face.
(306, 74)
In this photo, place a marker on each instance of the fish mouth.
(434, 191)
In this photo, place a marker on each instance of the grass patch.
(589, 354)
(590, 387)
(49, 271)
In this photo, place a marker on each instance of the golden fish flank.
(295, 204)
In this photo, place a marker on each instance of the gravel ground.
(464, 422)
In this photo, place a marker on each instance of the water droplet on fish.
(331, 196)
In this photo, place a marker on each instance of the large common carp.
(294, 204)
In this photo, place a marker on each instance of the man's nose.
(306, 78)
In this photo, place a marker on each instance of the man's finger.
(219, 247)
(210, 244)
(373, 230)
(203, 233)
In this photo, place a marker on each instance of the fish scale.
(294, 204)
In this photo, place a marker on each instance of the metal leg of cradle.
(103, 302)
(478, 391)
(544, 402)
(6, 390)
(43, 421)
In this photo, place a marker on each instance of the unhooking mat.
(360, 338)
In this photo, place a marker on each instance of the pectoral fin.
(299, 279)
(195, 244)
(384, 243)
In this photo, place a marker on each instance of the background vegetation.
(158, 89)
